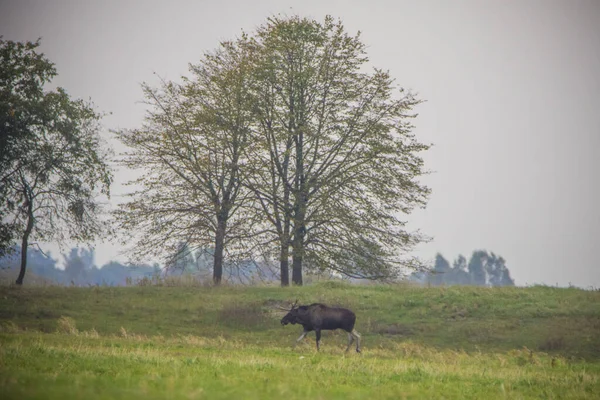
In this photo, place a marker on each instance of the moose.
(317, 317)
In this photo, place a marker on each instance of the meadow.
(194, 342)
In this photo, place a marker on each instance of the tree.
(489, 269)
(459, 275)
(39, 264)
(340, 162)
(23, 72)
(78, 264)
(53, 165)
(441, 269)
(476, 268)
(498, 273)
(192, 147)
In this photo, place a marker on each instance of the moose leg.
(318, 332)
(300, 338)
(357, 336)
(350, 340)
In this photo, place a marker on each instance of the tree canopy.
(191, 148)
(341, 159)
(284, 145)
(53, 165)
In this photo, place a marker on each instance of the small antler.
(287, 309)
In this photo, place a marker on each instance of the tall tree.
(441, 269)
(340, 162)
(459, 275)
(53, 165)
(498, 273)
(476, 267)
(191, 147)
(23, 73)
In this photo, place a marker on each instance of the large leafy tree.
(340, 162)
(52, 163)
(191, 147)
(281, 144)
(23, 72)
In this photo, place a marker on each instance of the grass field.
(203, 342)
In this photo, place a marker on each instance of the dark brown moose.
(317, 317)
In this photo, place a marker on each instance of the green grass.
(203, 342)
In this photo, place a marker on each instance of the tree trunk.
(300, 202)
(297, 269)
(284, 258)
(219, 247)
(25, 243)
(284, 262)
(298, 241)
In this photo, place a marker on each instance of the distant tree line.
(79, 268)
(483, 269)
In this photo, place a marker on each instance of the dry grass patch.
(66, 325)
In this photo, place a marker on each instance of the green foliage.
(191, 148)
(52, 165)
(337, 150)
(157, 342)
(23, 72)
(280, 145)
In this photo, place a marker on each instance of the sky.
(512, 90)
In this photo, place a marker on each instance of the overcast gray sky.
(512, 90)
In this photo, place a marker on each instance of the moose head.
(292, 316)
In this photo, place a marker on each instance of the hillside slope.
(558, 321)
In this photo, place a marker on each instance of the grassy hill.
(205, 342)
